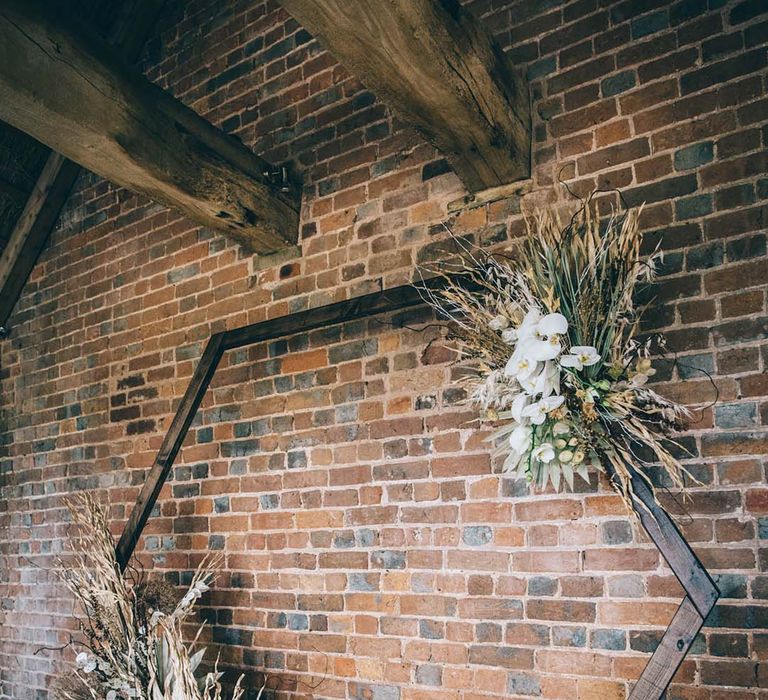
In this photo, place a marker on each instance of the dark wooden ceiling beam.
(70, 90)
(127, 31)
(438, 69)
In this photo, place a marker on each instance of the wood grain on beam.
(438, 69)
(71, 90)
(674, 645)
(128, 32)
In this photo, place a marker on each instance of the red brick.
(368, 539)
(614, 155)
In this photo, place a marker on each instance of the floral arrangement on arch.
(550, 341)
(134, 646)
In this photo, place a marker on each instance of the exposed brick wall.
(371, 551)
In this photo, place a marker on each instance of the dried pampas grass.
(550, 340)
(135, 648)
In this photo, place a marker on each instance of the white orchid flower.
(499, 323)
(544, 453)
(518, 406)
(530, 320)
(539, 336)
(548, 380)
(552, 324)
(521, 367)
(537, 412)
(581, 356)
(520, 439)
(561, 428)
(529, 380)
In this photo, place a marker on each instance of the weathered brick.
(608, 639)
(614, 155)
(722, 71)
(664, 189)
(523, 684)
(501, 656)
(694, 156)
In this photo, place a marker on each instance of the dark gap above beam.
(15, 192)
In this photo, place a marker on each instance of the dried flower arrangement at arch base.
(549, 341)
(134, 647)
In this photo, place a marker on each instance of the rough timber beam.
(72, 91)
(439, 71)
(128, 32)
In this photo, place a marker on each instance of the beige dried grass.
(135, 644)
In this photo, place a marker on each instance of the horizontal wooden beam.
(72, 91)
(438, 69)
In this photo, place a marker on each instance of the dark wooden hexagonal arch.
(701, 591)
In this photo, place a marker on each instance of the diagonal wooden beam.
(129, 31)
(438, 69)
(33, 228)
(701, 594)
(673, 647)
(170, 448)
(71, 90)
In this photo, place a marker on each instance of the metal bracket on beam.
(278, 175)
